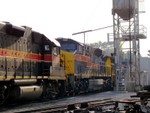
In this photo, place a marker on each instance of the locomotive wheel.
(51, 91)
(53, 95)
(3, 94)
(62, 88)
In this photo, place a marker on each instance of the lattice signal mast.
(127, 34)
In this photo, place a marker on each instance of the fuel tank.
(95, 84)
(26, 92)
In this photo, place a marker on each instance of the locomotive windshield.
(55, 51)
(68, 47)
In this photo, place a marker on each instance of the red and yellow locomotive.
(87, 68)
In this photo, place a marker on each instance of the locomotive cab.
(51, 55)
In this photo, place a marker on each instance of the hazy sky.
(61, 18)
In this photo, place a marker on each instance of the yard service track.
(74, 103)
(76, 107)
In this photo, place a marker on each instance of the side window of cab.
(47, 48)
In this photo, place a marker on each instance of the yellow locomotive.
(86, 68)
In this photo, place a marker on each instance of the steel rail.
(78, 106)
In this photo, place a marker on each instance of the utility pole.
(87, 31)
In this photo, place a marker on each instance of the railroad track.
(72, 107)
(94, 102)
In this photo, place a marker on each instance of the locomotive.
(33, 66)
(85, 66)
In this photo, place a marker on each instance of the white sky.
(61, 18)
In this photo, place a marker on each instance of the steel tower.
(127, 34)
